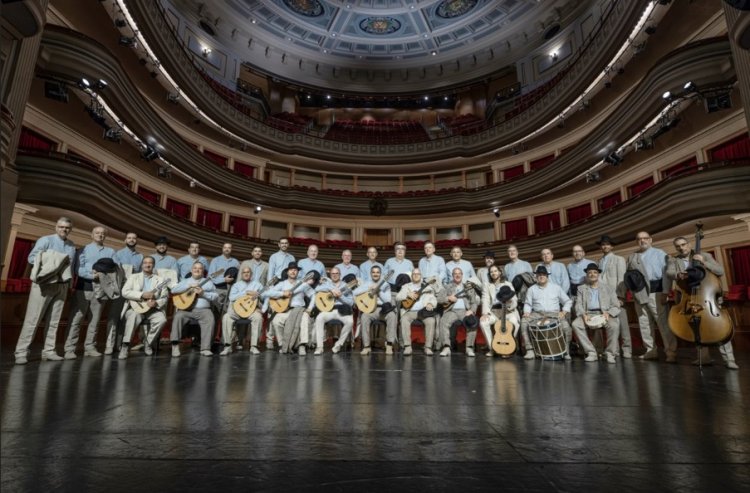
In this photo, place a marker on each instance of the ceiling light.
(690, 86)
(101, 84)
(433, 53)
(426, 98)
(496, 212)
(667, 96)
(84, 83)
(257, 209)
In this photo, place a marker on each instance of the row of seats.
(377, 133)
(292, 123)
(468, 124)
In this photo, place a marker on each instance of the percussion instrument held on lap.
(548, 339)
(596, 321)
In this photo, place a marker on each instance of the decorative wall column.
(19, 211)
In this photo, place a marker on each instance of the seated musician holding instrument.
(343, 300)
(147, 298)
(243, 304)
(287, 300)
(380, 292)
(418, 301)
(545, 300)
(199, 311)
(492, 311)
(597, 306)
(459, 300)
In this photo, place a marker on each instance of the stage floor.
(351, 423)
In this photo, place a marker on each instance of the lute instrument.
(280, 305)
(141, 306)
(324, 300)
(186, 300)
(367, 302)
(409, 302)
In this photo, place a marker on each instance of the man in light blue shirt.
(311, 263)
(46, 300)
(346, 267)
(285, 324)
(85, 301)
(546, 300)
(577, 269)
(163, 261)
(279, 260)
(185, 264)
(652, 310)
(366, 267)
(223, 282)
(383, 294)
(457, 261)
(432, 265)
(558, 274)
(516, 266)
(243, 287)
(258, 266)
(396, 265)
(342, 310)
(200, 312)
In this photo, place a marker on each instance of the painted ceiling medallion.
(309, 8)
(449, 9)
(380, 25)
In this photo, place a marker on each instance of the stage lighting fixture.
(149, 154)
(614, 159)
(496, 212)
(173, 98)
(593, 177)
(113, 135)
(128, 41)
(257, 209)
(56, 90)
(120, 23)
(690, 86)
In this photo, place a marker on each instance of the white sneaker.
(123, 353)
(428, 351)
(336, 348)
(389, 349)
(175, 351)
(254, 350)
(92, 352)
(302, 351)
(610, 358)
(567, 357)
(136, 348)
(148, 350)
(70, 355)
(446, 351)
(21, 360)
(318, 351)
(651, 354)
(51, 357)
(489, 353)
(227, 350)
(239, 348)
(731, 365)
(365, 351)
(627, 353)
(207, 352)
(529, 354)
(591, 357)
(109, 350)
(470, 352)
(407, 351)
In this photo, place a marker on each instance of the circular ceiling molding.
(448, 9)
(308, 8)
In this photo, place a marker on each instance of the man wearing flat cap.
(613, 269)
(596, 303)
(545, 300)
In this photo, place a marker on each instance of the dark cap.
(161, 239)
(489, 253)
(605, 239)
(471, 322)
(541, 270)
(592, 266)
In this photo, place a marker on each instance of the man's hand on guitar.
(151, 303)
(148, 295)
(254, 294)
(286, 294)
(336, 293)
(414, 295)
(198, 291)
(452, 298)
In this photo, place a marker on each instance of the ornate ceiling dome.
(392, 45)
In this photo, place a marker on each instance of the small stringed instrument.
(280, 305)
(408, 302)
(186, 300)
(324, 300)
(697, 315)
(503, 342)
(367, 302)
(447, 305)
(245, 305)
(141, 306)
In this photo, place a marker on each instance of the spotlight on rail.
(149, 154)
(257, 209)
(128, 41)
(496, 212)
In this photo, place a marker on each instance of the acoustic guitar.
(447, 305)
(503, 342)
(186, 300)
(245, 305)
(141, 306)
(280, 305)
(367, 302)
(408, 302)
(324, 300)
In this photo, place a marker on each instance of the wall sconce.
(206, 52)
(553, 56)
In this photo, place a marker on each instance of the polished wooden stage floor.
(345, 422)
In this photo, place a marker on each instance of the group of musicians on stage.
(298, 299)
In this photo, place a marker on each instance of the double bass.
(697, 315)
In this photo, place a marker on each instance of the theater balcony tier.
(709, 190)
